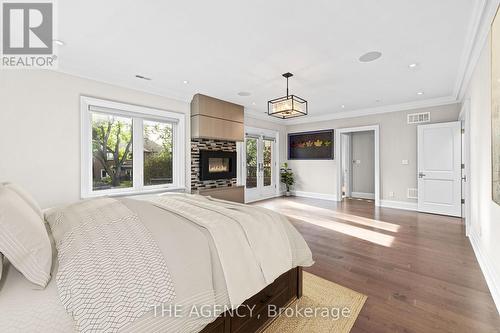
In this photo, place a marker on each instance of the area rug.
(322, 308)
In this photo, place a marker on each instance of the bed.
(197, 237)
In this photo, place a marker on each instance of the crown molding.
(250, 113)
(479, 29)
(372, 111)
(470, 41)
(174, 97)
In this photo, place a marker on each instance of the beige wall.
(363, 173)
(40, 129)
(398, 141)
(485, 214)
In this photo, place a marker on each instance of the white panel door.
(439, 172)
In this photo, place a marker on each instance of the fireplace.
(217, 165)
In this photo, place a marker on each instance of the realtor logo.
(27, 34)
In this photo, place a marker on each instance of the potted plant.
(287, 178)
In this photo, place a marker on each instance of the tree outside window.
(158, 163)
(111, 151)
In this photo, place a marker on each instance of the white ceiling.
(227, 46)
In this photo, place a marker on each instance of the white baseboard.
(265, 198)
(363, 195)
(399, 204)
(314, 195)
(492, 280)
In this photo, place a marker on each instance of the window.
(130, 149)
(111, 151)
(157, 153)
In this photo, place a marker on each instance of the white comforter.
(251, 242)
(193, 261)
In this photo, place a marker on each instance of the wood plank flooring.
(418, 270)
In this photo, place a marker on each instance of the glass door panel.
(252, 163)
(268, 162)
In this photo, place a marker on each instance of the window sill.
(133, 193)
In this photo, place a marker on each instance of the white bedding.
(111, 271)
(198, 279)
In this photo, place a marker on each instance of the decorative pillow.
(26, 197)
(23, 238)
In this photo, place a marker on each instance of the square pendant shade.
(286, 107)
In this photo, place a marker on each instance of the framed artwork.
(495, 109)
(317, 145)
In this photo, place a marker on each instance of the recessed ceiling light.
(59, 42)
(244, 93)
(185, 81)
(413, 66)
(143, 77)
(253, 103)
(342, 106)
(370, 56)
(420, 93)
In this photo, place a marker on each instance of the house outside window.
(104, 174)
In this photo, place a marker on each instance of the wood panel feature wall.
(212, 118)
(233, 193)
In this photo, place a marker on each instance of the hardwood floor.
(418, 270)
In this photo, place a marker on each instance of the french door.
(260, 165)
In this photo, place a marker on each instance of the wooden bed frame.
(284, 290)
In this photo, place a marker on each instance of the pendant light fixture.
(289, 106)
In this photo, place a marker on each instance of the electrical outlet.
(391, 194)
(404, 162)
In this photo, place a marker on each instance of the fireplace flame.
(218, 165)
(217, 168)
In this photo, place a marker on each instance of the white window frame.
(138, 115)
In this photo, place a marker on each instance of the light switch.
(404, 162)
(391, 194)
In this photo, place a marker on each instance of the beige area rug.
(328, 299)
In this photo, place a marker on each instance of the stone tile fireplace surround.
(212, 145)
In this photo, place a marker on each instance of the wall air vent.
(418, 118)
(412, 193)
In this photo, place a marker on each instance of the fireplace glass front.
(217, 165)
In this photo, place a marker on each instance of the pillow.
(23, 238)
(26, 197)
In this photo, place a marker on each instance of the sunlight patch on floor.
(361, 233)
(348, 217)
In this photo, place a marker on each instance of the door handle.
(421, 175)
